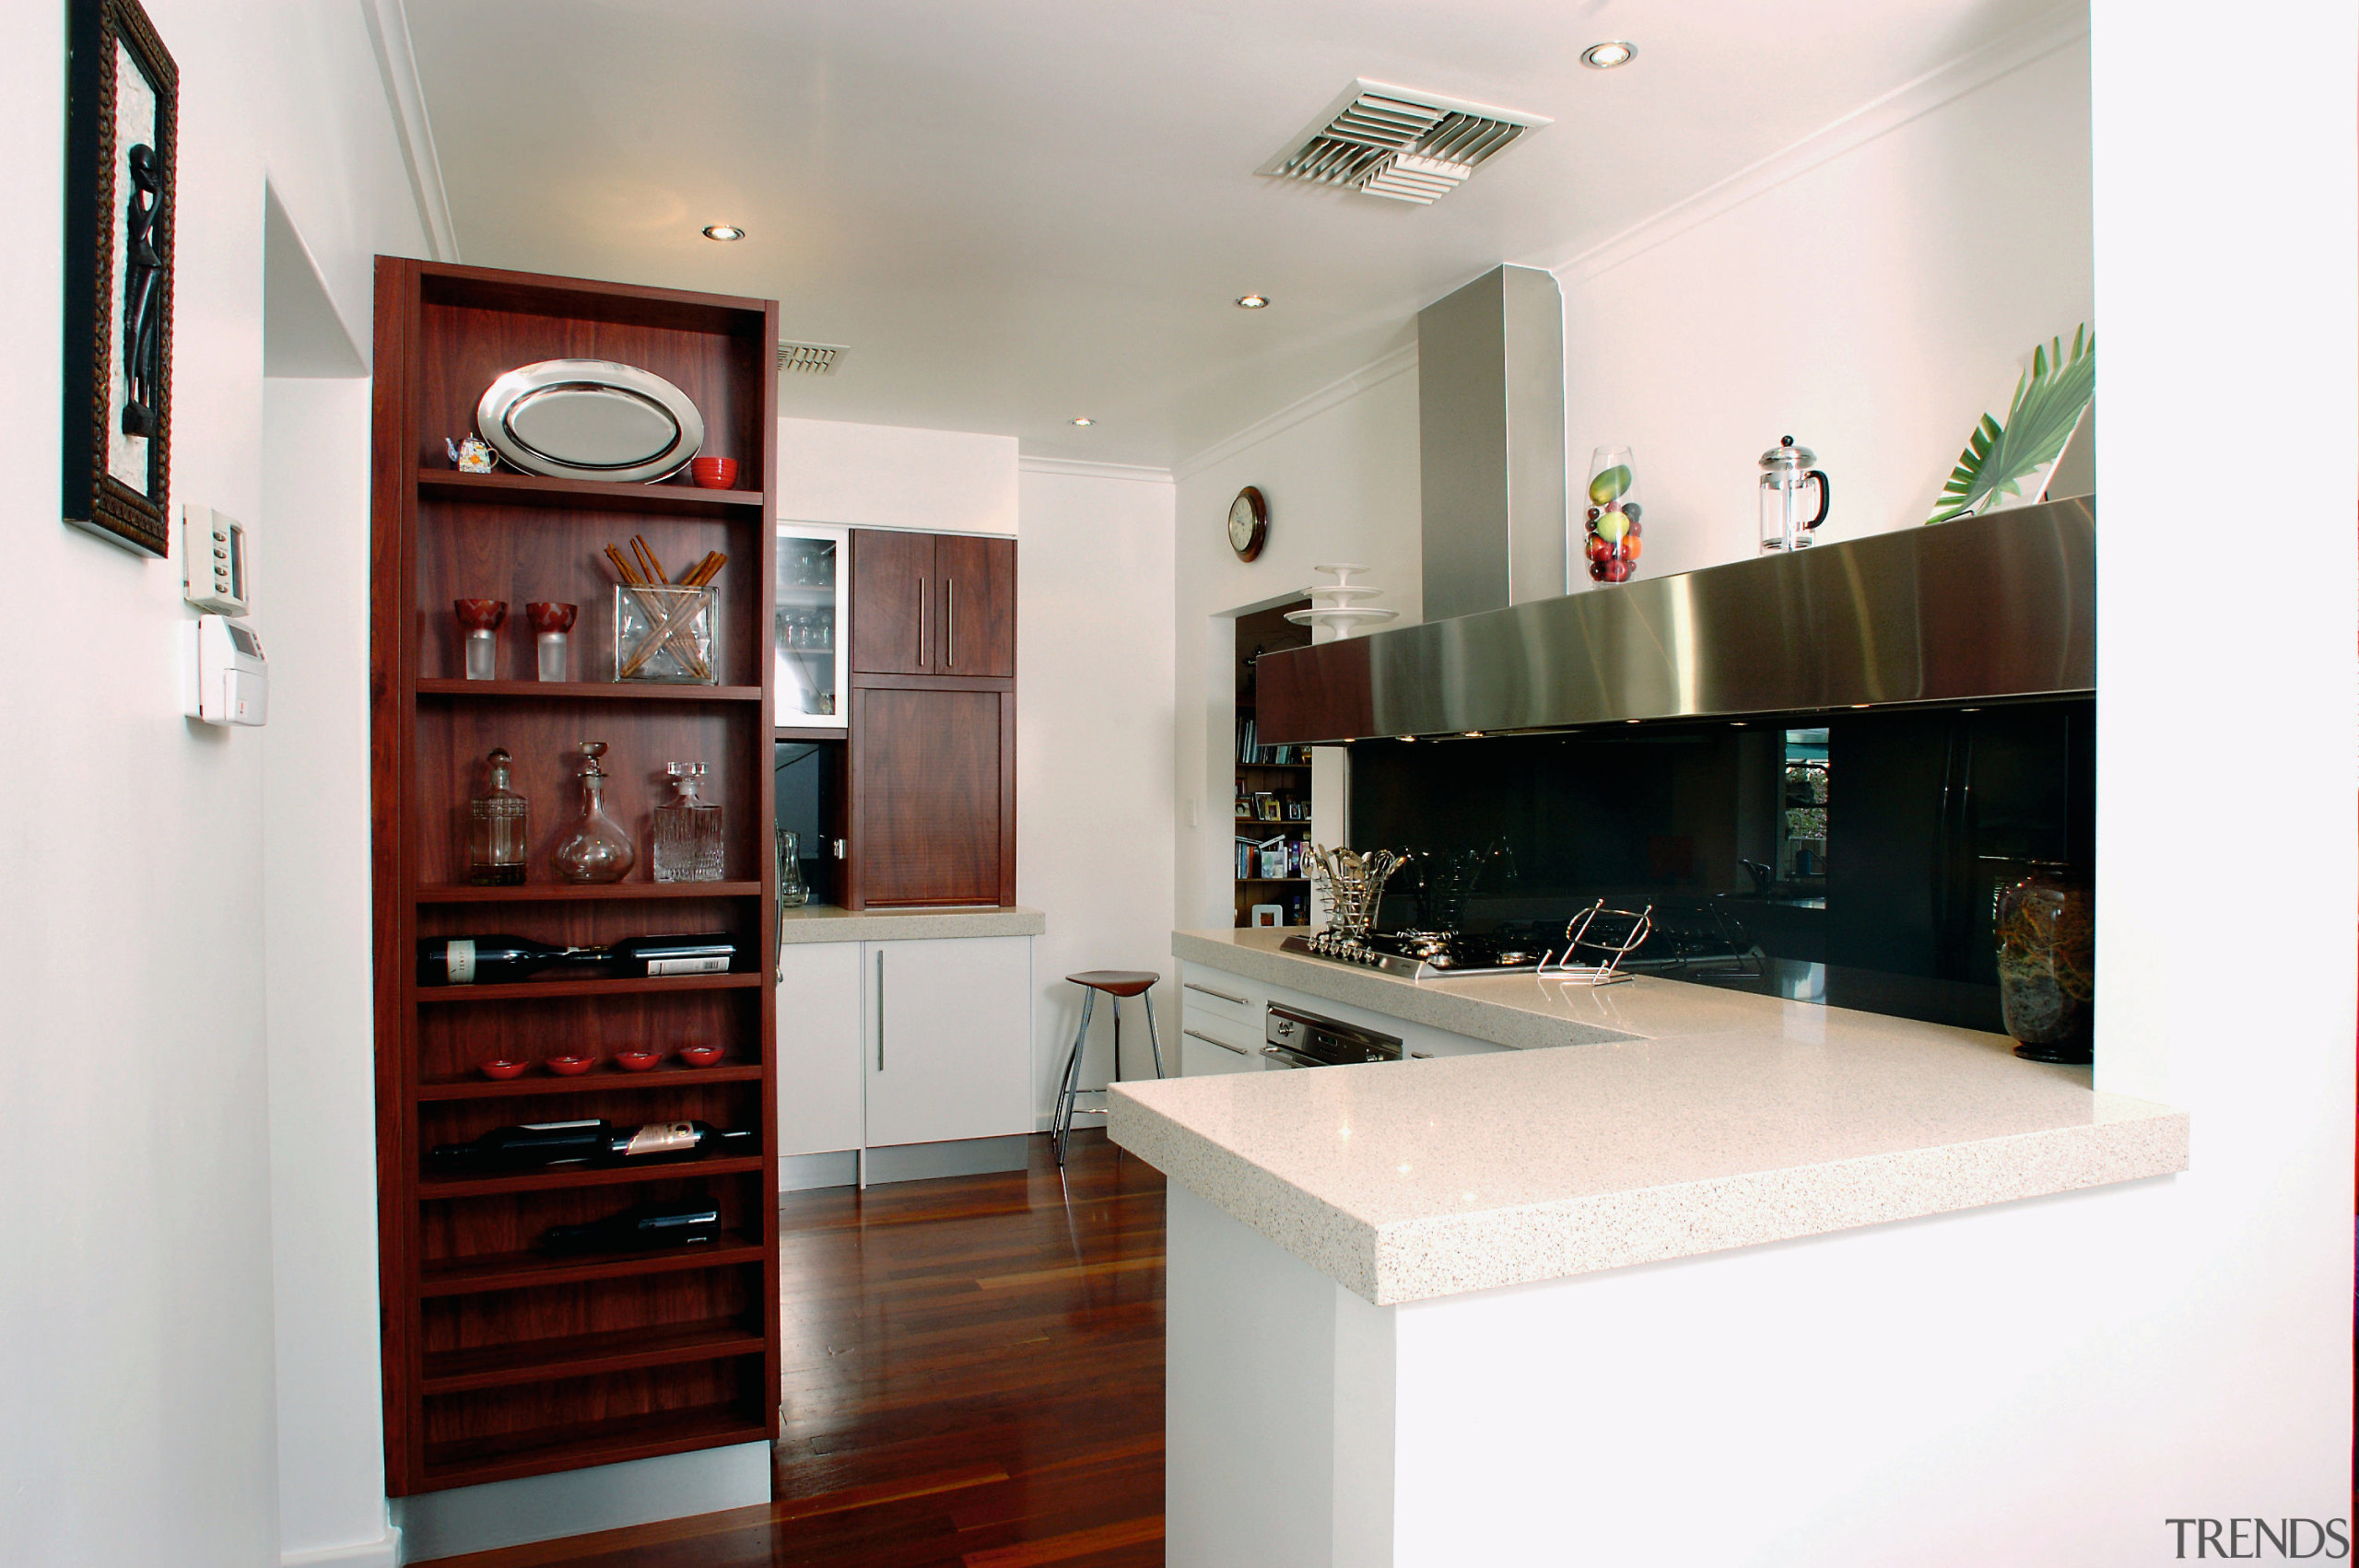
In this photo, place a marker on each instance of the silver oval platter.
(590, 419)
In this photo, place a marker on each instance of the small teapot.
(1786, 471)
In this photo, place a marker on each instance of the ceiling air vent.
(810, 358)
(1388, 141)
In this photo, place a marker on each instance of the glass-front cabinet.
(807, 628)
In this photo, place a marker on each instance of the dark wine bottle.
(595, 1141)
(675, 1223)
(658, 955)
(493, 960)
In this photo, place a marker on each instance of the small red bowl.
(636, 1062)
(505, 1070)
(713, 472)
(572, 1066)
(699, 1055)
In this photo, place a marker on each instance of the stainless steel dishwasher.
(1294, 1038)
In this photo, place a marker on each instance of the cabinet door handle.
(1236, 1050)
(950, 621)
(880, 1012)
(1224, 996)
(923, 604)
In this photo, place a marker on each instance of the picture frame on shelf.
(122, 190)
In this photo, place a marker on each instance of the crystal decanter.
(496, 828)
(687, 829)
(597, 850)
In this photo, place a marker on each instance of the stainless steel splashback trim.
(1996, 606)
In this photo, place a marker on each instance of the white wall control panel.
(225, 679)
(213, 561)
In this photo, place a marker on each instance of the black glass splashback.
(1849, 857)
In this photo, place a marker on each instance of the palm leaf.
(2048, 403)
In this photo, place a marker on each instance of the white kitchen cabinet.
(888, 1043)
(947, 1047)
(1220, 1023)
(819, 1029)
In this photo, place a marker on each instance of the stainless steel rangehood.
(1984, 608)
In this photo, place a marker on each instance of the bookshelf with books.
(1272, 804)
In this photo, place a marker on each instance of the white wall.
(888, 476)
(1093, 750)
(136, 1409)
(1873, 306)
(1340, 475)
(2241, 350)
(312, 552)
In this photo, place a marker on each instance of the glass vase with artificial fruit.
(1612, 541)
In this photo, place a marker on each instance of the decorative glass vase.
(666, 633)
(2046, 927)
(597, 850)
(550, 622)
(496, 829)
(792, 892)
(1611, 542)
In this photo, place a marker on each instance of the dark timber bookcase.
(500, 1361)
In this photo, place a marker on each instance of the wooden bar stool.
(1117, 984)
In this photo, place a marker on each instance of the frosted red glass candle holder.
(480, 618)
(550, 622)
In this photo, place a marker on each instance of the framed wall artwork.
(121, 139)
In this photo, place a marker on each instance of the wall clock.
(1248, 523)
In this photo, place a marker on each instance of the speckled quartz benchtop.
(824, 922)
(1703, 1121)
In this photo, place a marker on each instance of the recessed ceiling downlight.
(723, 231)
(1083, 419)
(1605, 56)
(1253, 301)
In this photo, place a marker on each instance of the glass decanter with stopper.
(496, 828)
(687, 829)
(597, 849)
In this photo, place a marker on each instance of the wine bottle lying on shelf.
(593, 1140)
(499, 960)
(639, 1228)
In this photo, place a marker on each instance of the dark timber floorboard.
(973, 1379)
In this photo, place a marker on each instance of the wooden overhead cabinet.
(933, 763)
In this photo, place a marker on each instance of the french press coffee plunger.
(1786, 471)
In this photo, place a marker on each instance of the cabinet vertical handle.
(950, 621)
(921, 610)
(880, 1012)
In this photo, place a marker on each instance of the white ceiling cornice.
(397, 63)
(1340, 389)
(1074, 468)
(2033, 40)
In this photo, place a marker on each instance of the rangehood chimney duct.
(1491, 443)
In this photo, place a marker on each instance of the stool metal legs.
(1069, 1087)
(1153, 1039)
(1061, 1123)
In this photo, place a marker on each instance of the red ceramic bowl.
(572, 1066)
(699, 1055)
(636, 1062)
(505, 1070)
(713, 472)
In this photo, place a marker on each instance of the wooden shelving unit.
(500, 1360)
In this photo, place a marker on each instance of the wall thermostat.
(225, 680)
(213, 561)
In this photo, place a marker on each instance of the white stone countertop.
(1684, 1120)
(824, 922)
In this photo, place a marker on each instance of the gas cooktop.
(1423, 955)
